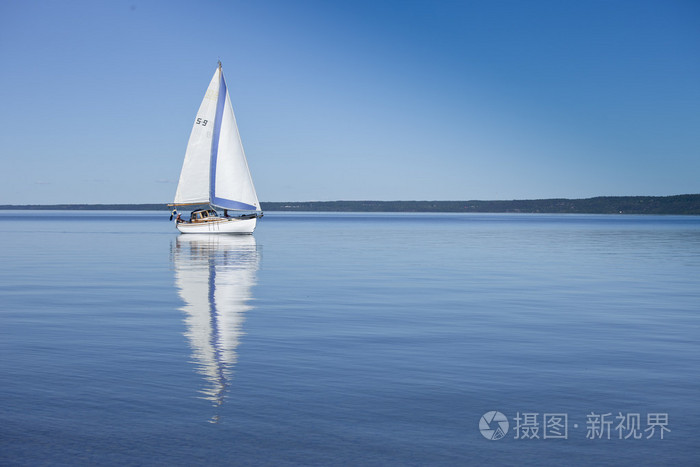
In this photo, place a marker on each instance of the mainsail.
(215, 170)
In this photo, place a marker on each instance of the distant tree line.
(678, 204)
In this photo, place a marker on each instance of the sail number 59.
(199, 121)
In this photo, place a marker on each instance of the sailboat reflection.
(215, 275)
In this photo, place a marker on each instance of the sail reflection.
(215, 275)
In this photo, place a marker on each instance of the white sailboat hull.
(219, 225)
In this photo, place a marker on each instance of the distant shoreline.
(676, 204)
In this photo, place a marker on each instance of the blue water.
(348, 339)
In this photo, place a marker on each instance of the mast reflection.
(214, 275)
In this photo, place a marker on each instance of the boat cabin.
(203, 215)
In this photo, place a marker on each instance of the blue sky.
(382, 100)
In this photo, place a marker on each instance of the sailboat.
(215, 171)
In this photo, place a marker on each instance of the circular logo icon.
(493, 425)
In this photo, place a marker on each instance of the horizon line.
(368, 200)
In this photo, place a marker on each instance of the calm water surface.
(349, 339)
